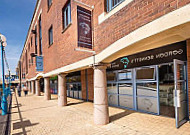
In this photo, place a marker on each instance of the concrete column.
(62, 92)
(101, 113)
(47, 94)
(33, 87)
(30, 86)
(37, 87)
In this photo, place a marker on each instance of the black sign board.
(84, 18)
(156, 56)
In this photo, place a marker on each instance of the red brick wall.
(133, 16)
(61, 53)
(188, 69)
(90, 73)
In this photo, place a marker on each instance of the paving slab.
(32, 115)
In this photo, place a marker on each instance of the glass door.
(180, 93)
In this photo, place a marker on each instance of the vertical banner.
(39, 63)
(84, 18)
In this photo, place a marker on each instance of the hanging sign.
(156, 56)
(84, 18)
(39, 63)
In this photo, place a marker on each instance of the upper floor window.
(36, 42)
(51, 35)
(112, 4)
(40, 36)
(49, 3)
(66, 12)
(31, 41)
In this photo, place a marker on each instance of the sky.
(15, 18)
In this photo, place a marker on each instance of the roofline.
(37, 2)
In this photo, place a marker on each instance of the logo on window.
(125, 61)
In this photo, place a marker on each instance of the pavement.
(32, 115)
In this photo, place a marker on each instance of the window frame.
(36, 41)
(49, 4)
(110, 6)
(51, 28)
(66, 17)
(40, 35)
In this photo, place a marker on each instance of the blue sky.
(15, 17)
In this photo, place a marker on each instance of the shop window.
(66, 13)
(147, 89)
(113, 99)
(166, 87)
(112, 88)
(112, 4)
(125, 75)
(146, 74)
(51, 35)
(126, 101)
(147, 104)
(73, 79)
(111, 76)
(73, 85)
(126, 88)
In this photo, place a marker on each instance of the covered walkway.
(36, 116)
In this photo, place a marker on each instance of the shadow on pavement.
(22, 124)
(120, 115)
(69, 104)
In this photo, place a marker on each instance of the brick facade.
(62, 52)
(90, 84)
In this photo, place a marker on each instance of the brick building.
(131, 54)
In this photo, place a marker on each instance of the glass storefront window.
(113, 99)
(112, 88)
(146, 74)
(147, 89)
(111, 76)
(147, 104)
(126, 88)
(125, 75)
(126, 101)
(73, 79)
(166, 88)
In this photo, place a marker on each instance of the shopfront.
(154, 81)
(73, 85)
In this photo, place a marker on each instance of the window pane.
(166, 87)
(126, 75)
(126, 101)
(112, 99)
(147, 104)
(126, 88)
(66, 16)
(112, 88)
(147, 89)
(111, 76)
(146, 74)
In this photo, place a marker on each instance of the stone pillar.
(101, 113)
(62, 92)
(37, 87)
(33, 87)
(47, 94)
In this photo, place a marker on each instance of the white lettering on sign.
(157, 56)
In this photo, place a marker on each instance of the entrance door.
(180, 93)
